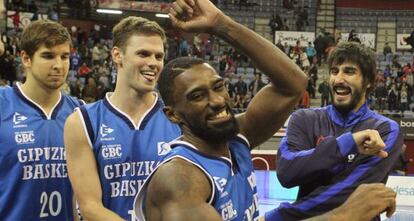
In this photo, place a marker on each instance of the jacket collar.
(352, 118)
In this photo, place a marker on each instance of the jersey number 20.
(51, 205)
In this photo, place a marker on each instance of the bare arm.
(368, 201)
(272, 105)
(183, 197)
(83, 172)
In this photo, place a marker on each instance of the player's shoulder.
(74, 101)
(4, 90)
(381, 121)
(309, 113)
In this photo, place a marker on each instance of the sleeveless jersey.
(126, 153)
(34, 182)
(233, 182)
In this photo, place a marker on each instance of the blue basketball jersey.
(126, 153)
(233, 182)
(34, 182)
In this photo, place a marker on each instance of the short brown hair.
(43, 32)
(134, 25)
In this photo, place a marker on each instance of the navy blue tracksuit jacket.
(319, 155)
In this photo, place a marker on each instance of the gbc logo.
(24, 137)
(406, 124)
(112, 152)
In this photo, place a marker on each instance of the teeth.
(148, 73)
(221, 114)
(341, 91)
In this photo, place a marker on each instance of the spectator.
(387, 51)
(241, 87)
(310, 52)
(400, 166)
(96, 54)
(90, 92)
(403, 95)
(392, 97)
(275, 23)
(286, 48)
(256, 84)
(305, 100)
(381, 95)
(320, 48)
(325, 92)
(52, 13)
(76, 89)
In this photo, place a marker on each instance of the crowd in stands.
(394, 84)
(92, 74)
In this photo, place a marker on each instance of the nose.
(153, 62)
(216, 100)
(340, 77)
(58, 63)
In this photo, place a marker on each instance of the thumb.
(382, 154)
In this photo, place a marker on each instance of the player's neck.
(46, 98)
(210, 147)
(133, 104)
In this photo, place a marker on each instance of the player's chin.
(55, 85)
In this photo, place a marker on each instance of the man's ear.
(26, 60)
(117, 55)
(171, 115)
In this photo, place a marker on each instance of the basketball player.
(34, 184)
(208, 174)
(326, 151)
(209, 169)
(114, 144)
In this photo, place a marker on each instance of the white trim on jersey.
(139, 198)
(195, 148)
(48, 116)
(84, 126)
(138, 125)
(244, 138)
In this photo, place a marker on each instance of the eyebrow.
(201, 88)
(350, 68)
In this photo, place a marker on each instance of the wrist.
(337, 214)
(220, 25)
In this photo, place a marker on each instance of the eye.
(219, 86)
(48, 56)
(196, 96)
(159, 57)
(143, 53)
(333, 71)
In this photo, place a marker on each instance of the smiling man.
(112, 145)
(34, 183)
(328, 152)
(208, 174)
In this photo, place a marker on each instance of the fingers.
(182, 8)
(391, 208)
(369, 142)
(385, 197)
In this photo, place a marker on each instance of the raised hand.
(369, 142)
(195, 15)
